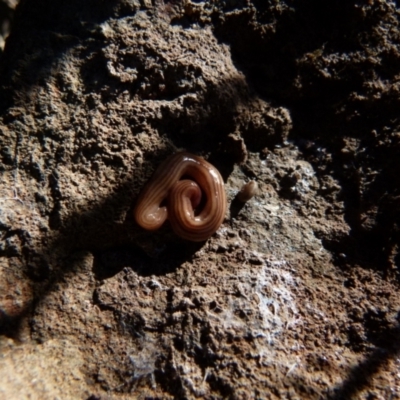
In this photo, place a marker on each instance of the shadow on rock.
(361, 375)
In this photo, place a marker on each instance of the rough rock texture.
(296, 295)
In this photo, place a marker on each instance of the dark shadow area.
(313, 58)
(236, 206)
(360, 376)
(10, 325)
(109, 262)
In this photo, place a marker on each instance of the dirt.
(296, 295)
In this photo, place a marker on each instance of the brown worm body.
(248, 191)
(182, 196)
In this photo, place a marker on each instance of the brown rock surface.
(296, 295)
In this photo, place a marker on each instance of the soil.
(296, 295)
